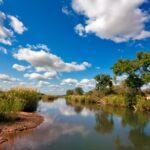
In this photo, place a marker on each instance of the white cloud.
(5, 33)
(3, 50)
(20, 67)
(39, 46)
(66, 10)
(46, 61)
(17, 25)
(69, 81)
(146, 86)
(7, 78)
(79, 29)
(43, 83)
(86, 84)
(120, 79)
(119, 20)
(37, 76)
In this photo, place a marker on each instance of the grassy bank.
(16, 100)
(48, 98)
(114, 100)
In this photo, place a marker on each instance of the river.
(73, 127)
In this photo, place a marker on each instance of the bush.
(28, 96)
(142, 103)
(9, 105)
(115, 100)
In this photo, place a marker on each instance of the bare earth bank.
(26, 121)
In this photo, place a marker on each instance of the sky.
(58, 45)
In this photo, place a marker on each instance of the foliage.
(138, 71)
(147, 91)
(78, 91)
(49, 98)
(69, 92)
(103, 83)
(115, 100)
(9, 105)
(138, 68)
(29, 97)
(142, 103)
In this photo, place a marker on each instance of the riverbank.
(24, 121)
(142, 104)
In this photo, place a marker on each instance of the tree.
(69, 92)
(103, 83)
(138, 71)
(79, 91)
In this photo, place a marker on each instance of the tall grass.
(9, 105)
(17, 99)
(115, 100)
(29, 97)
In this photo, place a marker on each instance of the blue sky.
(92, 34)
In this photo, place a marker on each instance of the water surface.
(74, 127)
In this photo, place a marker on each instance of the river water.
(69, 126)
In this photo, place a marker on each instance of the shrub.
(116, 100)
(142, 103)
(9, 105)
(28, 96)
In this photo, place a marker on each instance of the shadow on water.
(82, 126)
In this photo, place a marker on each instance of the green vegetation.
(49, 98)
(15, 100)
(138, 72)
(126, 94)
(76, 91)
(104, 83)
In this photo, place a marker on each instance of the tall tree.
(79, 91)
(103, 83)
(138, 70)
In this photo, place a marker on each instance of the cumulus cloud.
(69, 81)
(17, 25)
(86, 84)
(43, 83)
(119, 20)
(20, 67)
(46, 61)
(3, 50)
(37, 76)
(7, 78)
(6, 33)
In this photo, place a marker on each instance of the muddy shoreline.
(26, 121)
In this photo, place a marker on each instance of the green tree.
(138, 71)
(103, 83)
(69, 92)
(79, 91)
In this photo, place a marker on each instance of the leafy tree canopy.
(138, 69)
(104, 82)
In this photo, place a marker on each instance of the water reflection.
(75, 126)
(104, 122)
